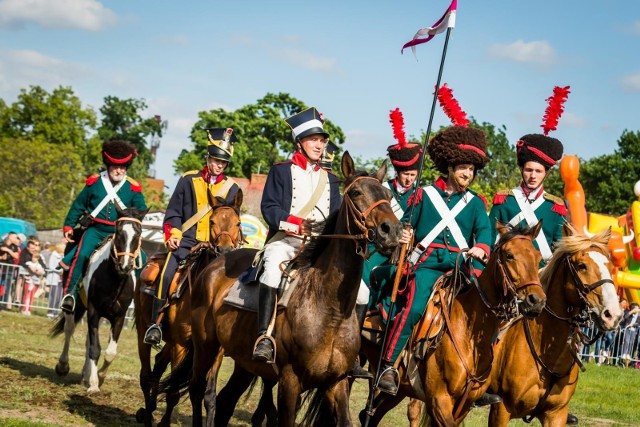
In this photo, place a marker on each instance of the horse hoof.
(93, 390)
(140, 414)
(62, 369)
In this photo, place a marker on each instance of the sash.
(207, 208)
(308, 207)
(395, 206)
(111, 193)
(448, 220)
(527, 213)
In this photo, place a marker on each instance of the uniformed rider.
(529, 203)
(186, 221)
(297, 193)
(447, 217)
(92, 215)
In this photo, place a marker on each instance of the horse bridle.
(354, 214)
(136, 256)
(509, 309)
(237, 241)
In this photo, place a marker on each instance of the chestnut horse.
(317, 334)
(454, 374)
(109, 283)
(536, 367)
(225, 236)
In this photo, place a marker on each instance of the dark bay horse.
(317, 334)
(454, 374)
(109, 283)
(536, 368)
(225, 236)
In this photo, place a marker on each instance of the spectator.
(32, 270)
(54, 279)
(629, 327)
(10, 248)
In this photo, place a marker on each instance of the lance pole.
(405, 251)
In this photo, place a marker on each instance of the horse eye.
(510, 256)
(355, 193)
(582, 266)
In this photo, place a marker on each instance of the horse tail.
(249, 392)
(178, 380)
(318, 412)
(58, 326)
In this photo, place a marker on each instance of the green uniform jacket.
(552, 212)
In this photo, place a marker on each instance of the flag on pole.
(448, 20)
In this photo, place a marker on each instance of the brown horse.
(225, 236)
(455, 373)
(536, 367)
(317, 334)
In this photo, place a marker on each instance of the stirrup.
(148, 335)
(65, 308)
(393, 371)
(273, 346)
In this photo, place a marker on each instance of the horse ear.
(567, 230)
(604, 236)
(142, 214)
(348, 167)
(535, 230)
(502, 228)
(119, 210)
(382, 172)
(237, 200)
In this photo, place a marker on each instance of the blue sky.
(343, 57)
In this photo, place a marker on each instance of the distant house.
(252, 192)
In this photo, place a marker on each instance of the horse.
(452, 375)
(317, 334)
(109, 283)
(536, 367)
(225, 235)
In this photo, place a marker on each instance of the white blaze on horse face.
(609, 296)
(130, 233)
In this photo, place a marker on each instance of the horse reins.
(136, 255)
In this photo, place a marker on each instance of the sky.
(343, 57)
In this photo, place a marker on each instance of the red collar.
(528, 192)
(441, 183)
(301, 161)
(206, 175)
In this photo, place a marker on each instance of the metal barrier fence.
(619, 347)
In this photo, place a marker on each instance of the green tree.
(55, 118)
(122, 119)
(38, 180)
(608, 180)
(263, 136)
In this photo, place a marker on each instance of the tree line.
(50, 142)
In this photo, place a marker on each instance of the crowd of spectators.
(28, 271)
(621, 346)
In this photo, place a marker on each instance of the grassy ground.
(31, 394)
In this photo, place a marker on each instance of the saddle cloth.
(243, 294)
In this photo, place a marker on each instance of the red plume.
(397, 123)
(451, 107)
(555, 108)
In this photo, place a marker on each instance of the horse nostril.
(385, 228)
(606, 314)
(533, 299)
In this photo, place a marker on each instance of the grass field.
(31, 394)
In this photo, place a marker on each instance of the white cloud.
(570, 119)
(307, 60)
(88, 15)
(631, 82)
(536, 52)
(21, 68)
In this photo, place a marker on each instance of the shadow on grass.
(33, 370)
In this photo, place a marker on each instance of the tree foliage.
(263, 136)
(39, 180)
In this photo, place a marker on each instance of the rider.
(297, 193)
(529, 203)
(94, 211)
(447, 217)
(186, 221)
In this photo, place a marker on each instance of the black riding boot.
(68, 303)
(264, 349)
(358, 371)
(153, 335)
(389, 379)
(487, 399)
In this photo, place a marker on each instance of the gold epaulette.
(555, 199)
(190, 172)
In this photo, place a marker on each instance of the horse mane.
(512, 231)
(317, 245)
(569, 245)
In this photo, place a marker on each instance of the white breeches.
(363, 294)
(274, 255)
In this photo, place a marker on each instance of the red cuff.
(66, 229)
(485, 248)
(295, 220)
(166, 229)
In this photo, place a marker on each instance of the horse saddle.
(243, 294)
(431, 325)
